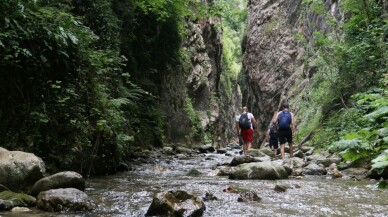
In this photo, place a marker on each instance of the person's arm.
(293, 125)
(238, 128)
(254, 123)
(276, 117)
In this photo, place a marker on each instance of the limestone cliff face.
(199, 82)
(273, 60)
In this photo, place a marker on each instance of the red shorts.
(247, 135)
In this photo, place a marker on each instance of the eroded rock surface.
(64, 199)
(67, 179)
(176, 203)
(20, 170)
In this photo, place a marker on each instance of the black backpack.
(284, 120)
(244, 121)
(273, 131)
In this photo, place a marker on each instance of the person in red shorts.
(246, 131)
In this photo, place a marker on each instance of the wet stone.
(281, 188)
(241, 160)
(64, 199)
(248, 196)
(222, 151)
(176, 203)
(209, 197)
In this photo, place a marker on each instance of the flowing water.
(130, 193)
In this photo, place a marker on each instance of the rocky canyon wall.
(199, 82)
(274, 61)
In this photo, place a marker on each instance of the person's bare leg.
(249, 145)
(291, 150)
(282, 151)
(275, 152)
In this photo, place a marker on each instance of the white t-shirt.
(250, 116)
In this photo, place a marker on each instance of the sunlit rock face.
(199, 81)
(274, 59)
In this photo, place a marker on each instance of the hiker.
(273, 139)
(245, 125)
(286, 128)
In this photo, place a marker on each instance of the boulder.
(281, 188)
(287, 167)
(307, 149)
(209, 197)
(222, 151)
(260, 170)
(295, 162)
(256, 153)
(299, 154)
(67, 179)
(176, 203)
(267, 151)
(20, 170)
(168, 150)
(241, 160)
(313, 169)
(206, 149)
(328, 161)
(359, 173)
(248, 197)
(64, 199)
(6, 205)
(297, 172)
(9, 200)
(183, 150)
(262, 159)
(20, 209)
(225, 170)
(315, 157)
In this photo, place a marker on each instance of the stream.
(130, 193)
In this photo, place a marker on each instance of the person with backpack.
(272, 135)
(245, 125)
(286, 128)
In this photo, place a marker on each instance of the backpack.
(244, 122)
(284, 120)
(273, 131)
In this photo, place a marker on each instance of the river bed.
(130, 193)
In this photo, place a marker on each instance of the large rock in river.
(260, 170)
(9, 200)
(64, 199)
(176, 203)
(67, 179)
(20, 170)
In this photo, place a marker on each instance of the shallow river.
(130, 193)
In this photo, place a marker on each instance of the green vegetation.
(234, 18)
(347, 105)
(80, 79)
(196, 130)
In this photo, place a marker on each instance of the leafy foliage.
(349, 87)
(195, 121)
(79, 78)
(234, 26)
(381, 162)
